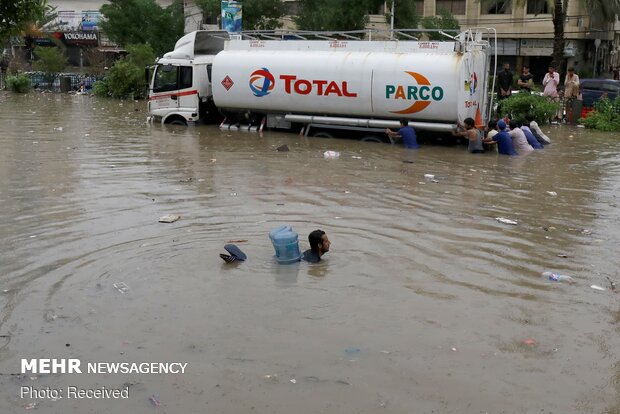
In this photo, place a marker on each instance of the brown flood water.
(436, 294)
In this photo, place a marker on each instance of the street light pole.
(597, 43)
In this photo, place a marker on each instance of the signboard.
(72, 21)
(78, 38)
(90, 20)
(231, 16)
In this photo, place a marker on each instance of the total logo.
(472, 84)
(421, 94)
(262, 83)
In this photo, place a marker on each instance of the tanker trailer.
(322, 86)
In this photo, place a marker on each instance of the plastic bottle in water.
(554, 277)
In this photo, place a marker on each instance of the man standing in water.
(405, 132)
(319, 245)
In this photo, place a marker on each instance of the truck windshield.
(171, 78)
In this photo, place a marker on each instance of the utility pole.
(392, 21)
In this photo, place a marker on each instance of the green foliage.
(126, 77)
(126, 80)
(15, 15)
(256, 14)
(51, 60)
(444, 20)
(141, 55)
(19, 83)
(100, 88)
(605, 116)
(333, 15)
(405, 15)
(521, 104)
(143, 21)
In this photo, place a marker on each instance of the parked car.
(594, 89)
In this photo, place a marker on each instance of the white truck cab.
(180, 87)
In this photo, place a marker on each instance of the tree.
(405, 14)
(256, 14)
(52, 61)
(36, 28)
(126, 77)
(443, 21)
(143, 21)
(15, 15)
(334, 15)
(141, 55)
(604, 10)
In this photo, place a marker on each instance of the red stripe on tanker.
(378, 84)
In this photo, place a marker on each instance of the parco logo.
(419, 96)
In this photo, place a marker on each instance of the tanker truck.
(323, 85)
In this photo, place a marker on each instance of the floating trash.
(171, 218)
(596, 287)
(331, 155)
(506, 221)
(121, 287)
(154, 400)
(552, 193)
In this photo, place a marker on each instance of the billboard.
(231, 16)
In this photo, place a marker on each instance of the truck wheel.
(177, 122)
(322, 134)
(371, 138)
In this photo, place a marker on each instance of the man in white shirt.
(551, 82)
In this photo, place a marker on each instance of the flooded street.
(425, 303)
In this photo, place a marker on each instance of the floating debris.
(121, 287)
(506, 221)
(154, 400)
(171, 218)
(596, 287)
(552, 193)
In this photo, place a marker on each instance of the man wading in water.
(319, 245)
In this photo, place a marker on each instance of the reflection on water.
(437, 294)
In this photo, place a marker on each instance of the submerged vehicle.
(321, 83)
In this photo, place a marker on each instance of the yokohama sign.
(79, 38)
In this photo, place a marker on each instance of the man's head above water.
(319, 243)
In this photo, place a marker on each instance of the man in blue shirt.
(405, 132)
(531, 139)
(502, 139)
